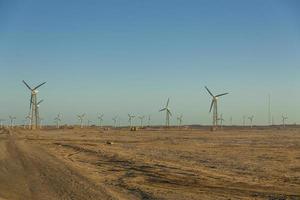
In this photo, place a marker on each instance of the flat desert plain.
(92, 163)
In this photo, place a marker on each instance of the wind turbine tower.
(214, 106)
(34, 105)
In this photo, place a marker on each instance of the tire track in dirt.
(160, 175)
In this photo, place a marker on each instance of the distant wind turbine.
(81, 118)
(142, 120)
(12, 121)
(221, 119)
(100, 119)
(179, 120)
(115, 119)
(168, 113)
(251, 120)
(284, 118)
(130, 118)
(57, 120)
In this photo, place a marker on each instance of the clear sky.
(128, 56)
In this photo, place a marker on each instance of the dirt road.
(27, 172)
(81, 164)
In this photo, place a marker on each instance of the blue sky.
(128, 56)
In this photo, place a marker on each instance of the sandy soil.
(149, 164)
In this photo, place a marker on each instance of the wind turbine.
(81, 118)
(57, 120)
(230, 119)
(115, 119)
(12, 120)
(142, 120)
(179, 120)
(33, 105)
(244, 120)
(284, 118)
(221, 119)
(168, 113)
(100, 118)
(130, 118)
(251, 120)
(214, 106)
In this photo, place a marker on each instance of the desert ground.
(93, 163)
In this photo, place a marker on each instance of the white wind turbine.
(168, 113)
(142, 120)
(284, 118)
(34, 105)
(81, 118)
(130, 119)
(12, 121)
(221, 119)
(251, 121)
(115, 119)
(179, 120)
(57, 120)
(100, 119)
(214, 106)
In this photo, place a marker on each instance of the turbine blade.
(169, 112)
(27, 85)
(211, 105)
(222, 94)
(39, 86)
(40, 102)
(209, 91)
(162, 109)
(168, 102)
